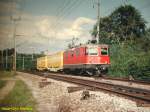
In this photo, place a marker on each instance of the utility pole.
(96, 38)
(14, 38)
(32, 56)
(98, 20)
(23, 62)
(6, 58)
(15, 20)
(2, 60)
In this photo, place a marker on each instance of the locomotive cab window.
(104, 51)
(92, 51)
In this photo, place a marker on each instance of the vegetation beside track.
(130, 59)
(20, 96)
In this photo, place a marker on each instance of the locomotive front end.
(97, 59)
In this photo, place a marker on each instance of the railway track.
(104, 77)
(141, 82)
(138, 94)
(141, 96)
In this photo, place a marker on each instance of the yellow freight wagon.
(55, 61)
(42, 63)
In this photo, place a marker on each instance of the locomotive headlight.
(103, 68)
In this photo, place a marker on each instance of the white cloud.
(81, 21)
(68, 30)
(45, 27)
(40, 31)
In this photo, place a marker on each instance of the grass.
(20, 96)
(2, 83)
(4, 74)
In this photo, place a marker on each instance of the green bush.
(129, 58)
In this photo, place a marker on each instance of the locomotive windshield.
(104, 51)
(92, 51)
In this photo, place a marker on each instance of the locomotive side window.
(92, 51)
(104, 51)
(77, 52)
(72, 53)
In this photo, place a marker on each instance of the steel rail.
(105, 78)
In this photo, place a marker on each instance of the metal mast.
(14, 38)
(98, 20)
(15, 21)
(96, 38)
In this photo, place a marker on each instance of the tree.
(125, 23)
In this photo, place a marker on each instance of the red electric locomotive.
(92, 59)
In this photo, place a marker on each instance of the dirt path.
(32, 82)
(47, 96)
(7, 88)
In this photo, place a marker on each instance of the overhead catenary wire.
(67, 11)
(61, 10)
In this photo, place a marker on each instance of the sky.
(50, 25)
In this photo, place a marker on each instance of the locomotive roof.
(100, 45)
(89, 45)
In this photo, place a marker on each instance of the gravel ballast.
(54, 97)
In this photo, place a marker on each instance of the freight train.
(85, 59)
